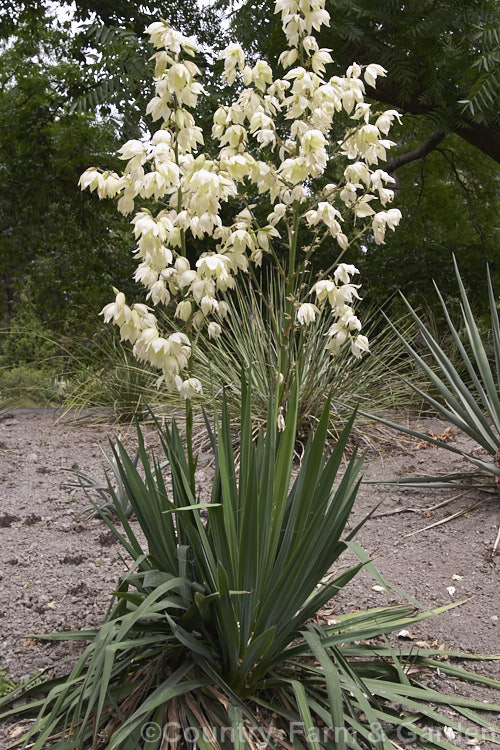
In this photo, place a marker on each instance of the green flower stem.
(189, 442)
(290, 289)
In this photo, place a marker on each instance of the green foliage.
(27, 340)
(31, 364)
(210, 626)
(103, 374)
(29, 386)
(252, 336)
(450, 203)
(484, 92)
(56, 250)
(472, 403)
(6, 685)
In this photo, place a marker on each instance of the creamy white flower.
(280, 422)
(344, 271)
(362, 207)
(214, 330)
(383, 219)
(183, 310)
(234, 59)
(320, 59)
(325, 289)
(277, 214)
(223, 309)
(326, 213)
(159, 293)
(262, 74)
(208, 304)
(288, 58)
(359, 346)
(198, 320)
(190, 388)
(133, 149)
(117, 311)
(92, 179)
(307, 313)
(372, 72)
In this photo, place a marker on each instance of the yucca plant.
(253, 331)
(210, 632)
(471, 403)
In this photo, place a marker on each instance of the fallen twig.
(449, 518)
(423, 510)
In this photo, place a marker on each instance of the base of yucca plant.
(212, 638)
(336, 687)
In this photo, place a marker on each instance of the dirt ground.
(58, 569)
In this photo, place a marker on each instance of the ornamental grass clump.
(251, 338)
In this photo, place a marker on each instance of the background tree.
(55, 249)
(63, 77)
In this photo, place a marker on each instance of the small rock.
(494, 619)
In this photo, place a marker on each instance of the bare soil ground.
(57, 569)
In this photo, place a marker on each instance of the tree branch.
(417, 153)
(484, 136)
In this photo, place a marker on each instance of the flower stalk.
(181, 188)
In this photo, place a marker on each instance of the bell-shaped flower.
(359, 346)
(214, 330)
(288, 58)
(320, 59)
(372, 72)
(262, 75)
(117, 311)
(234, 59)
(383, 219)
(133, 149)
(159, 293)
(385, 120)
(344, 271)
(92, 179)
(190, 388)
(183, 310)
(362, 208)
(307, 313)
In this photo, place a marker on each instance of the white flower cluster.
(188, 187)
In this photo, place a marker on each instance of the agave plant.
(213, 638)
(473, 403)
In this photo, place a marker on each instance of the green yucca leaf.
(212, 621)
(333, 686)
(472, 405)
